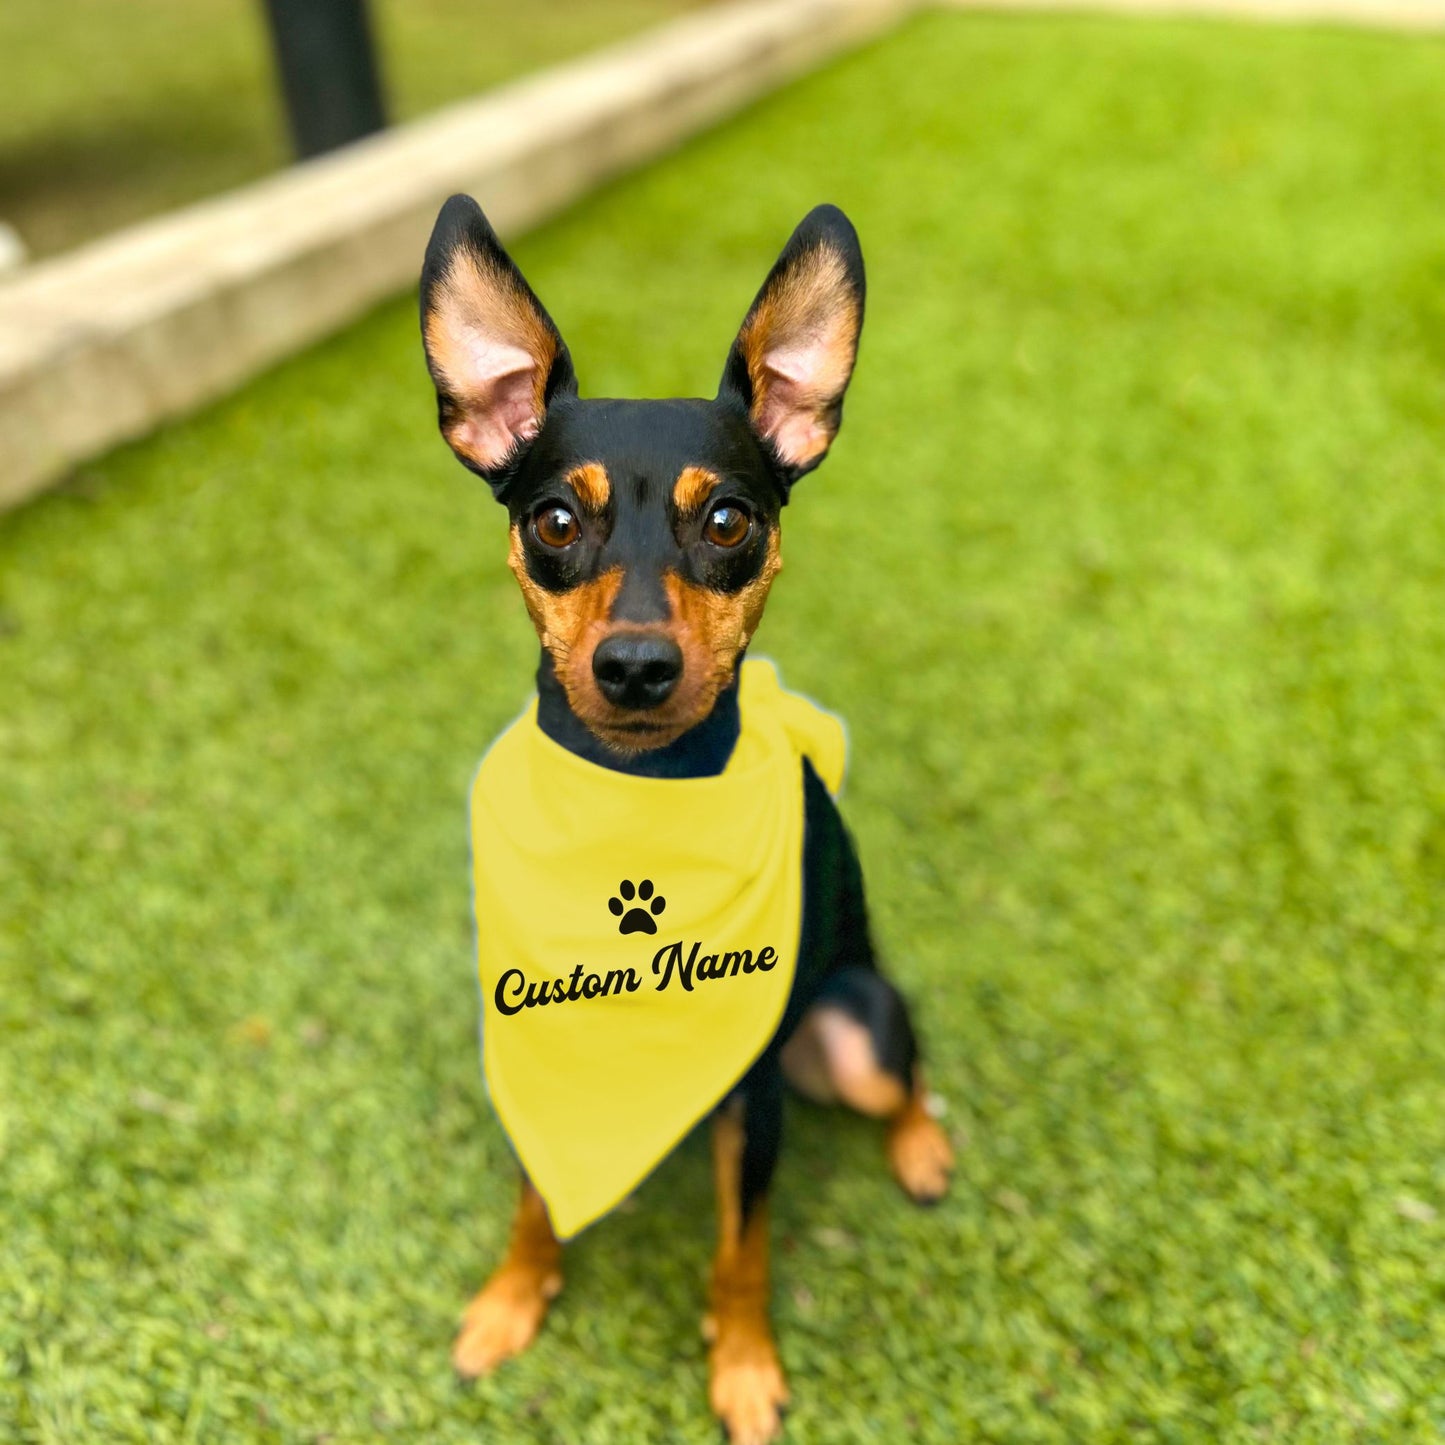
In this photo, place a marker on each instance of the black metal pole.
(328, 70)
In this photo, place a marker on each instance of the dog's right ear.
(495, 356)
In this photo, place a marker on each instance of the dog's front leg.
(746, 1379)
(505, 1317)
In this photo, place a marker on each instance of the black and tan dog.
(645, 537)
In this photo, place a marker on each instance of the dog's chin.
(628, 732)
(637, 737)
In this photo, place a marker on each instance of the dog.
(645, 536)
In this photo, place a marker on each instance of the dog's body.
(644, 539)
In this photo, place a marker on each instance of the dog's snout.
(637, 670)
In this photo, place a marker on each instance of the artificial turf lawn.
(114, 111)
(1128, 572)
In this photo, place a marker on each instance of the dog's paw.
(920, 1156)
(746, 1388)
(503, 1319)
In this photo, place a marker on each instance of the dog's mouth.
(631, 733)
(641, 729)
(640, 685)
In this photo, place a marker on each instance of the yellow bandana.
(637, 939)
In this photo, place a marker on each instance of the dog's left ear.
(792, 360)
(496, 358)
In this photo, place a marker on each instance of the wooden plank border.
(101, 345)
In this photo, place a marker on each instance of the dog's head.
(644, 534)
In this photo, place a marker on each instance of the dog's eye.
(555, 527)
(727, 526)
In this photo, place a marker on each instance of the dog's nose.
(638, 669)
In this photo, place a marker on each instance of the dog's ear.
(493, 352)
(791, 362)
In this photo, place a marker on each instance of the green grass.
(112, 110)
(1128, 572)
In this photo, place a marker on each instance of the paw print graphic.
(636, 919)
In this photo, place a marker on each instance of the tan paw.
(747, 1389)
(503, 1319)
(920, 1156)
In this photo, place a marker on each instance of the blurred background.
(1127, 572)
(111, 112)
